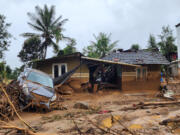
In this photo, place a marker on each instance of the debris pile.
(13, 90)
(15, 94)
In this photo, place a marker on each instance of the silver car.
(37, 87)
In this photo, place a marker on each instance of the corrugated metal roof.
(138, 57)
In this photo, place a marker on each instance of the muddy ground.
(105, 115)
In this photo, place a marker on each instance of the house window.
(144, 72)
(59, 69)
(56, 71)
(63, 69)
(141, 73)
(138, 73)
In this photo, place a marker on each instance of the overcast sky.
(129, 21)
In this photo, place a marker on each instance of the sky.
(129, 21)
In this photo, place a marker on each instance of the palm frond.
(66, 38)
(35, 27)
(32, 16)
(30, 35)
(38, 21)
(51, 14)
(55, 47)
(62, 22)
(56, 20)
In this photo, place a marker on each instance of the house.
(124, 70)
(56, 66)
(145, 77)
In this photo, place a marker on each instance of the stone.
(81, 105)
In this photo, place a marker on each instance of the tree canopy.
(48, 27)
(167, 42)
(100, 47)
(152, 43)
(31, 50)
(4, 36)
(135, 47)
(70, 48)
(7, 73)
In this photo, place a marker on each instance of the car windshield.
(40, 78)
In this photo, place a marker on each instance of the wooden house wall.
(151, 82)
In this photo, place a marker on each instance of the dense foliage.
(7, 73)
(152, 45)
(69, 49)
(100, 47)
(135, 47)
(167, 42)
(31, 50)
(4, 36)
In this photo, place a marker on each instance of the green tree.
(16, 72)
(31, 50)
(100, 47)
(135, 47)
(4, 36)
(2, 71)
(152, 43)
(167, 42)
(70, 48)
(48, 27)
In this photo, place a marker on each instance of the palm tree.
(48, 27)
(101, 46)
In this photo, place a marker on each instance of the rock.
(148, 112)
(90, 131)
(81, 105)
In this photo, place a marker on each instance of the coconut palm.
(101, 46)
(48, 27)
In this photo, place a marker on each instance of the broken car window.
(40, 78)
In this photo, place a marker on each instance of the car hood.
(40, 89)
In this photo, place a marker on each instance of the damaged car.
(37, 87)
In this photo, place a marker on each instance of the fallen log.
(174, 120)
(159, 103)
(147, 105)
(5, 125)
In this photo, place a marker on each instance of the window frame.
(141, 73)
(59, 68)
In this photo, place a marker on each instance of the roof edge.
(110, 62)
(177, 25)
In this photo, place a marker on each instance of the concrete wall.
(178, 42)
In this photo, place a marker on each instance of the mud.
(105, 113)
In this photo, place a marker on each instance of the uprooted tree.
(4, 35)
